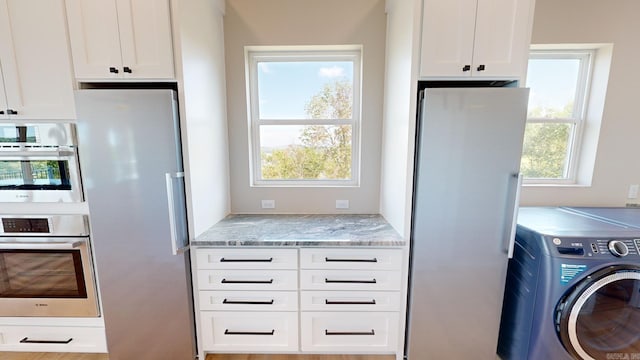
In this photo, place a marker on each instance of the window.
(559, 82)
(304, 108)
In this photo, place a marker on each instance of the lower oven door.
(39, 176)
(47, 277)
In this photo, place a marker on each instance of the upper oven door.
(39, 163)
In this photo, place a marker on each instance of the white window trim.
(255, 54)
(581, 103)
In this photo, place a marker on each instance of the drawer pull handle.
(327, 332)
(332, 302)
(372, 281)
(256, 302)
(374, 260)
(225, 281)
(246, 260)
(27, 341)
(227, 332)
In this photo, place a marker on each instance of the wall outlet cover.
(342, 204)
(268, 204)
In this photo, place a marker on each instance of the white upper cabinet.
(35, 67)
(121, 39)
(475, 38)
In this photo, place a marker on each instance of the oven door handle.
(25, 245)
(37, 153)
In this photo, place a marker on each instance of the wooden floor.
(73, 356)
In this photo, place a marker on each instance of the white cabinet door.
(34, 56)
(447, 37)
(475, 38)
(145, 38)
(502, 38)
(114, 39)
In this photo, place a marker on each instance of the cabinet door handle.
(480, 68)
(113, 70)
(228, 332)
(466, 68)
(327, 332)
(374, 260)
(12, 112)
(127, 69)
(246, 260)
(372, 281)
(1, 112)
(225, 281)
(27, 341)
(255, 302)
(332, 302)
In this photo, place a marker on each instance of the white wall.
(305, 22)
(200, 66)
(616, 165)
(403, 22)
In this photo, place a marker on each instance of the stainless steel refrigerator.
(466, 183)
(131, 165)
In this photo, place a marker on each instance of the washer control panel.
(600, 248)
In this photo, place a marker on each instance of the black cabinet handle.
(227, 332)
(466, 68)
(256, 302)
(331, 302)
(327, 332)
(246, 260)
(372, 281)
(225, 281)
(27, 341)
(113, 70)
(127, 69)
(12, 112)
(1, 112)
(374, 260)
(480, 68)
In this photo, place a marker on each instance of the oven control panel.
(26, 225)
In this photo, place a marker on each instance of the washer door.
(600, 318)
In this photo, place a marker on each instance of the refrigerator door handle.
(175, 249)
(511, 236)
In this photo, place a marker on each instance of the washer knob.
(618, 248)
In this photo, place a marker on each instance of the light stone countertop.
(300, 230)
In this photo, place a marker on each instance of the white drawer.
(249, 331)
(249, 300)
(247, 279)
(247, 258)
(349, 280)
(338, 331)
(58, 338)
(349, 301)
(341, 258)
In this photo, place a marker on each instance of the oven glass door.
(42, 274)
(35, 174)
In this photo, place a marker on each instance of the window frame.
(256, 54)
(578, 119)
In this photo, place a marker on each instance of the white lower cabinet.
(352, 331)
(53, 339)
(249, 331)
(307, 300)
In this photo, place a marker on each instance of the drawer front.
(247, 258)
(53, 339)
(247, 332)
(249, 300)
(247, 279)
(367, 331)
(349, 280)
(339, 258)
(349, 301)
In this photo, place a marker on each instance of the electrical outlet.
(342, 204)
(268, 204)
(633, 192)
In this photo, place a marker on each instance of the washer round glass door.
(600, 319)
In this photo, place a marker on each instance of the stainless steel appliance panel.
(465, 185)
(132, 167)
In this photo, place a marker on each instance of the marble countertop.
(300, 230)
